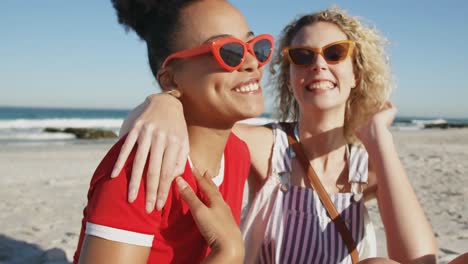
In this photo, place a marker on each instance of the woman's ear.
(355, 82)
(356, 77)
(166, 80)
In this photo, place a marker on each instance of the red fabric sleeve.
(108, 204)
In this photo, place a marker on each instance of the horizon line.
(129, 109)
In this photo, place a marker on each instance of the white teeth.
(322, 85)
(247, 88)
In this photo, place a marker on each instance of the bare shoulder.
(254, 136)
(259, 139)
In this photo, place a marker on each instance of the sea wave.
(61, 123)
(30, 130)
(34, 135)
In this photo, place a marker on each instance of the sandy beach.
(43, 192)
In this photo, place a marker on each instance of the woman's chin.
(252, 111)
(322, 106)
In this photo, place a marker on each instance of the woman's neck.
(207, 147)
(322, 134)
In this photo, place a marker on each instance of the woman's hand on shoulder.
(159, 129)
(214, 220)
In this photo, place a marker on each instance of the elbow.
(425, 252)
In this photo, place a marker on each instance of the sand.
(43, 191)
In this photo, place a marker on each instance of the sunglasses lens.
(336, 52)
(262, 49)
(232, 54)
(300, 56)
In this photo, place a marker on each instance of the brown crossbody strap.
(323, 195)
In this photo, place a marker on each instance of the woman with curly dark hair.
(203, 53)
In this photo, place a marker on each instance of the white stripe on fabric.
(326, 242)
(343, 248)
(287, 246)
(318, 256)
(360, 220)
(119, 235)
(337, 244)
(298, 233)
(363, 170)
(353, 163)
(307, 231)
(219, 178)
(311, 244)
(358, 165)
(278, 228)
(363, 165)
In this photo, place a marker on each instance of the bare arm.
(158, 127)
(98, 250)
(259, 139)
(409, 235)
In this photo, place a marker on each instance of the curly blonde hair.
(371, 68)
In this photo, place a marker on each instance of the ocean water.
(23, 125)
(26, 125)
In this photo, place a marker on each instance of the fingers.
(388, 106)
(188, 195)
(209, 189)
(181, 158)
(167, 172)
(165, 154)
(170, 157)
(125, 152)
(144, 141)
(390, 112)
(154, 172)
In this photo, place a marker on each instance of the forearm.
(228, 257)
(162, 102)
(409, 234)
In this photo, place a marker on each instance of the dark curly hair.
(155, 22)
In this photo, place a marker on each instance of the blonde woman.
(333, 81)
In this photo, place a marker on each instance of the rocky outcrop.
(83, 133)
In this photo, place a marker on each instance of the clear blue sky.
(59, 53)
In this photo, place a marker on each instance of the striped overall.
(292, 226)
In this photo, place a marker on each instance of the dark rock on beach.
(84, 133)
(52, 130)
(87, 133)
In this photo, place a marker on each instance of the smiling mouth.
(321, 86)
(248, 88)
